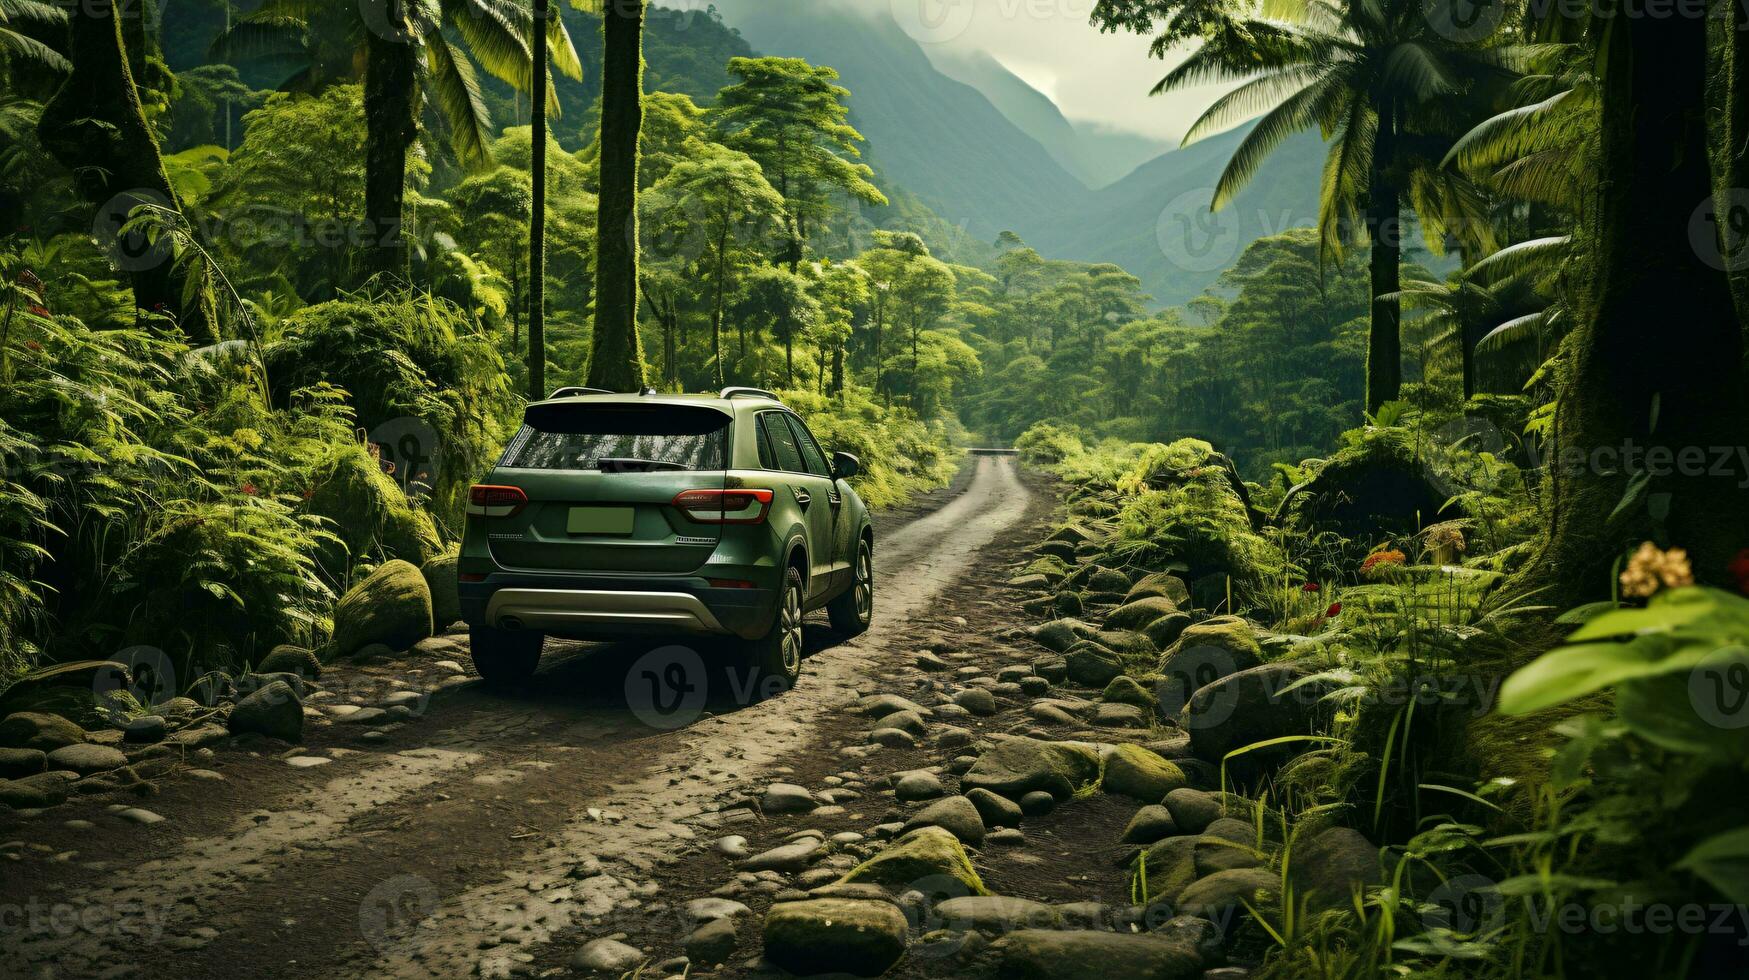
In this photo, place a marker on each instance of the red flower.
(309, 494)
(33, 345)
(1739, 569)
(158, 307)
(41, 311)
(1309, 587)
(1333, 611)
(249, 488)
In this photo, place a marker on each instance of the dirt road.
(484, 838)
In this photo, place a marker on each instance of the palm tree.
(22, 49)
(537, 219)
(1367, 74)
(616, 360)
(402, 52)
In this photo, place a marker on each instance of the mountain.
(1096, 154)
(974, 165)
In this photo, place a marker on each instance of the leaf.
(1722, 861)
(1572, 672)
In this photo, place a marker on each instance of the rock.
(995, 913)
(835, 935)
(1136, 615)
(1219, 894)
(17, 763)
(392, 606)
(1072, 534)
(145, 730)
(950, 737)
(1166, 630)
(791, 857)
(927, 852)
(866, 892)
(1151, 823)
(1014, 767)
(1050, 714)
(365, 716)
(289, 659)
(1068, 604)
(87, 759)
(933, 664)
(1034, 687)
(908, 721)
(1037, 803)
(733, 847)
(1108, 580)
(440, 580)
(976, 700)
(920, 784)
(1249, 707)
(881, 705)
(1201, 935)
(994, 810)
(1205, 653)
(1127, 690)
(1042, 954)
(273, 711)
(1059, 635)
(1054, 670)
(1331, 866)
(956, 814)
(607, 956)
(1122, 716)
(787, 798)
(892, 738)
(38, 730)
(1133, 771)
(1006, 837)
(139, 815)
(1174, 863)
(1192, 810)
(1030, 583)
(45, 789)
(1092, 665)
(706, 909)
(712, 943)
(1160, 584)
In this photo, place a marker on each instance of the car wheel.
(852, 612)
(776, 657)
(505, 658)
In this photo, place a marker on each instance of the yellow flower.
(1652, 568)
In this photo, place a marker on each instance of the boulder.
(1092, 665)
(712, 943)
(17, 763)
(907, 721)
(994, 913)
(976, 700)
(1166, 630)
(1127, 690)
(37, 730)
(1138, 614)
(1054, 670)
(956, 814)
(1059, 635)
(441, 582)
(1016, 766)
(368, 510)
(289, 659)
(1056, 549)
(1133, 771)
(996, 811)
(87, 759)
(273, 711)
(45, 789)
(1164, 584)
(1330, 867)
(1037, 803)
(882, 705)
(835, 935)
(1045, 954)
(1192, 809)
(1151, 823)
(392, 606)
(1254, 706)
(787, 798)
(1218, 895)
(1382, 485)
(607, 956)
(918, 784)
(927, 853)
(1108, 581)
(1122, 716)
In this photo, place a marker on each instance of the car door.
(819, 465)
(812, 494)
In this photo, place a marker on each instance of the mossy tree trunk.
(537, 223)
(1384, 349)
(96, 128)
(616, 360)
(1668, 387)
(391, 120)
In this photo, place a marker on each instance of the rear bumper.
(608, 609)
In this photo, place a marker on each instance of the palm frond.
(1298, 112)
(457, 93)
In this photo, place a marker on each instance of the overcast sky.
(1050, 43)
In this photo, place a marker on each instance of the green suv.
(615, 517)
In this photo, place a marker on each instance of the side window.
(767, 460)
(811, 453)
(783, 442)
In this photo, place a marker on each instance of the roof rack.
(573, 392)
(747, 393)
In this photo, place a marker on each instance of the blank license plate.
(601, 520)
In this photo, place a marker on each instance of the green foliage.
(901, 454)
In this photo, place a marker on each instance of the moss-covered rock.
(369, 514)
(392, 606)
(1108, 581)
(1166, 630)
(1160, 584)
(1068, 604)
(1013, 767)
(1092, 665)
(861, 937)
(440, 578)
(1054, 569)
(1059, 635)
(1050, 954)
(1204, 653)
(1133, 771)
(1137, 615)
(1380, 484)
(39, 730)
(1253, 706)
(1074, 534)
(1128, 690)
(924, 853)
(289, 659)
(1061, 550)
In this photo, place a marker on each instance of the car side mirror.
(845, 466)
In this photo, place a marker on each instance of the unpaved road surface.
(495, 832)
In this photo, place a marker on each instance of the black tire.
(776, 657)
(853, 611)
(505, 658)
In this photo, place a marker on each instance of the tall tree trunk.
(537, 225)
(1669, 386)
(1384, 349)
(96, 128)
(838, 371)
(391, 123)
(717, 303)
(617, 360)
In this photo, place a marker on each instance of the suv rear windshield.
(629, 438)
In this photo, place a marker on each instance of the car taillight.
(724, 506)
(485, 500)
